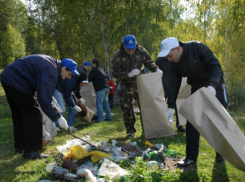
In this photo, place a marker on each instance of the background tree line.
(83, 30)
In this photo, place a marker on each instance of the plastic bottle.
(172, 152)
(87, 174)
(155, 165)
(70, 166)
(148, 144)
(152, 154)
(52, 167)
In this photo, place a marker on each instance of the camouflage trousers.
(128, 94)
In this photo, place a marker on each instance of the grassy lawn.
(15, 168)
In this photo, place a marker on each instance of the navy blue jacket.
(199, 65)
(98, 78)
(38, 73)
(66, 87)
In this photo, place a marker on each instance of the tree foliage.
(83, 30)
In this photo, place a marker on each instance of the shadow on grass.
(219, 173)
(189, 174)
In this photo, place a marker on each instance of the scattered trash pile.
(99, 161)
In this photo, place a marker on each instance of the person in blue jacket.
(63, 93)
(20, 80)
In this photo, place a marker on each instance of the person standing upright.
(112, 88)
(98, 78)
(126, 65)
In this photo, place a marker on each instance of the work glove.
(111, 87)
(170, 115)
(212, 89)
(82, 101)
(77, 108)
(63, 123)
(134, 72)
(160, 71)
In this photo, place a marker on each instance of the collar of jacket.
(185, 50)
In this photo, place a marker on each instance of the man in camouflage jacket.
(128, 62)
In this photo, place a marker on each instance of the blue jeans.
(102, 101)
(71, 115)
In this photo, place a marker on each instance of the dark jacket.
(38, 73)
(98, 78)
(82, 69)
(66, 87)
(199, 65)
(123, 63)
(164, 65)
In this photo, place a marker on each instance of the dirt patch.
(171, 165)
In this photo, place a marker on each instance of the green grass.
(15, 168)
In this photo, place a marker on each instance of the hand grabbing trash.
(77, 108)
(63, 123)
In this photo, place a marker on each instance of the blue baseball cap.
(86, 64)
(130, 42)
(106, 72)
(69, 63)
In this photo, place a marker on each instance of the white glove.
(63, 123)
(160, 71)
(82, 101)
(212, 89)
(111, 87)
(170, 115)
(134, 72)
(77, 108)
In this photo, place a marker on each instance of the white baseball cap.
(166, 46)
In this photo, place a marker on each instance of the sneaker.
(72, 128)
(185, 163)
(107, 119)
(181, 128)
(34, 155)
(130, 135)
(219, 159)
(57, 128)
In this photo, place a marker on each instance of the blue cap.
(86, 64)
(106, 72)
(130, 42)
(69, 63)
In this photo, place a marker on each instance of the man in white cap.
(127, 63)
(197, 62)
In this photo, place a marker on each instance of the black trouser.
(111, 100)
(27, 119)
(192, 135)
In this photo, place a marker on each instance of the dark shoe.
(181, 128)
(34, 155)
(219, 159)
(185, 163)
(130, 135)
(18, 151)
(107, 119)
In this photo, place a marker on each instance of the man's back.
(98, 78)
